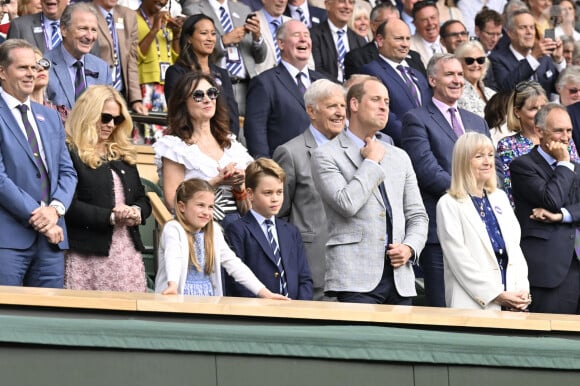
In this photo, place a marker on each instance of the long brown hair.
(179, 121)
(185, 192)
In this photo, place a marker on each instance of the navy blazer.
(324, 50)
(248, 241)
(20, 191)
(548, 247)
(508, 71)
(60, 90)
(275, 111)
(429, 141)
(176, 71)
(358, 57)
(317, 15)
(401, 99)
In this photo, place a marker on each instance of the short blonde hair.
(470, 45)
(361, 8)
(462, 179)
(83, 134)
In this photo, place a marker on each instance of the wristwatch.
(59, 209)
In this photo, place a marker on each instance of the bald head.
(394, 40)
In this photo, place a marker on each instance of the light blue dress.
(198, 283)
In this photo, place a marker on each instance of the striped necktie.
(117, 74)
(302, 17)
(274, 244)
(35, 147)
(80, 84)
(409, 82)
(340, 47)
(234, 68)
(55, 38)
(276, 24)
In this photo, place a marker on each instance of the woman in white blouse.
(199, 144)
(475, 64)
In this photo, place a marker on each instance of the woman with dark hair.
(197, 42)
(199, 144)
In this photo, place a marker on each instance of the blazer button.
(276, 274)
(382, 214)
(382, 239)
(122, 172)
(37, 174)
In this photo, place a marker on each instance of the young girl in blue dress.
(192, 249)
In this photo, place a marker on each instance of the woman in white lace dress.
(199, 144)
(475, 64)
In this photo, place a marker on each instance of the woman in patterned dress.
(110, 202)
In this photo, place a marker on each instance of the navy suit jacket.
(358, 57)
(508, 71)
(574, 111)
(324, 50)
(317, 15)
(429, 141)
(401, 99)
(275, 111)
(548, 247)
(60, 90)
(20, 191)
(248, 241)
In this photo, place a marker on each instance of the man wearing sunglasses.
(74, 68)
(37, 178)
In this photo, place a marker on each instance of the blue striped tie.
(302, 17)
(276, 25)
(55, 38)
(274, 244)
(35, 147)
(117, 74)
(341, 48)
(234, 68)
(80, 84)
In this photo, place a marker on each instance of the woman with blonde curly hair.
(109, 202)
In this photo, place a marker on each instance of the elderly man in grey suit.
(326, 108)
(376, 219)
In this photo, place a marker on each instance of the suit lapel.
(258, 234)
(286, 79)
(63, 76)
(283, 240)
(39, 38)
(392, 74)
(438, 117)
(473, 217)
(44, 132)
(104, 29)
(309, 142)
(15, 129)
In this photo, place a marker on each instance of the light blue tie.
(302, 17)
(341, 48)
(234, 68)
(276, 25)
(55, 38)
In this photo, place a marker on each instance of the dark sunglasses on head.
(470, 61)
(212, 93)
(44, 64)
(106, 118)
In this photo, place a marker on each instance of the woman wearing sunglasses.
(110, 202)
(475, 64)
(197, 43)
(200, 145)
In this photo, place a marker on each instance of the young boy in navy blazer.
(270, 247)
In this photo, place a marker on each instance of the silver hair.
(433, 65)
(542, 114)
(570, 75)
(66, 17)
(321, 89)
(469, 45)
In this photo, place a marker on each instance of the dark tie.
(272, 240)
(301, 86)
(409, 82)
(455, 125)
(117, 75)
(387, 211)
(276, 25)
(80, 84)
(34, 146)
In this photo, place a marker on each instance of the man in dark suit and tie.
(429, 134)
(546, 191)
(308, 14)
(409, 86)
(275, 111)
(37, 178)
(526, 57)
(332, 40)
(40, 29)
(73, 67)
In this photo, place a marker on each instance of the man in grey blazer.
(325, 106)
(376, 220)
(244, 44)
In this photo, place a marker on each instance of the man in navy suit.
(79, 33)
(546, 191)
(308, 14)
(429, 134)
(270, 247)
(37, 178)
(329, 37)
(275, 111)
(526, 57)
(408, 85)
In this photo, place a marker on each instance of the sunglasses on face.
(43, 64)
(470, 61)
(212, 93)
(106, 118)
